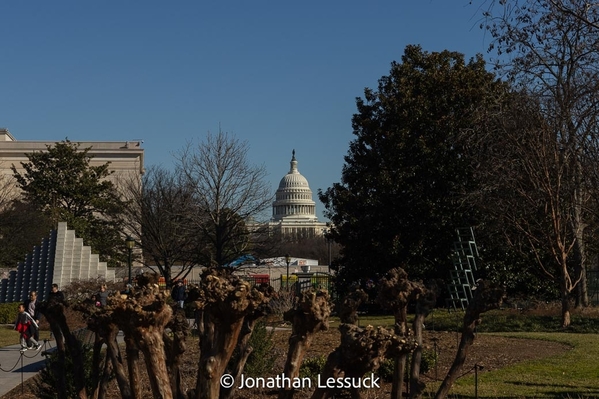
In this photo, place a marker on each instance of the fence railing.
(299, 284)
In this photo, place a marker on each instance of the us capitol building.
(294, 211)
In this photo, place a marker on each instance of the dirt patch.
(491, 352)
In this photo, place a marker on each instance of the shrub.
(8, 312)
(428, 362)
(263, 356)
(45, 384)
(312, 367)
(262, 359)
(80, 290)
(281, 302)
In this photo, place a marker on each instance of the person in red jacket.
(26, 326)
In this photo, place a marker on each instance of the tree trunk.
(54, 312)
(331, 369)
(101, 392)
(112, 352)
(217, 348)
(244, 352)
(399, 367)
(175, 347)
(416, 386)
(565, 304)
(582, 294)
(458, 363)
(76, 352)
(309, 316)
(486, 297)
(96, 363)
(59, 366)
(425, 302)
(143, 316)
(152, 347)
(224, 301)
(133, 367)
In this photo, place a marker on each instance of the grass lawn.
(8, 336)
(569, 375)
(573, 374)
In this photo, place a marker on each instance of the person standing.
(102, 296)
(55, 295)
(31, 307)
(178, 293)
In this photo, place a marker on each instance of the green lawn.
(572, 374)
(8, 336)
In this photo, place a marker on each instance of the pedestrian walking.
(31, 307)
(26, 326)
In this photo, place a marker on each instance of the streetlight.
(130, 242)
(326, 233)
(287, 260)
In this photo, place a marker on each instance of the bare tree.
(8, 190)
(159, 213)
(320, 248)
(528, 190)
(229, 193)
(551, 55)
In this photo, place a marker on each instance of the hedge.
(8, 312)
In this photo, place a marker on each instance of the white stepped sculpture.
(61, 258)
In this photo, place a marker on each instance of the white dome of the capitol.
(294, 197)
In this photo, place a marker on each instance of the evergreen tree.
(62, 184)
(399, 200)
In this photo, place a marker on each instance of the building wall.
(126, 158)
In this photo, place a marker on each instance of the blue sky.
(280, 75)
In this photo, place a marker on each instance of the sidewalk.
(17, 366)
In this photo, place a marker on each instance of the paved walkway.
(17, 366)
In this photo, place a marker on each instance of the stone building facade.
(294, 210)
(126, 158)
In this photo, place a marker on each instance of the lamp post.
(325, 233)
(130, 242)
(287, 260)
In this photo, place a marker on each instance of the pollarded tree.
(398, 201)
(63, 185)
(228, 192)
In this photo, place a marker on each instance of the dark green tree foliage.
(399, 197)
(62, 184)
(45, 386)
(22, 227)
